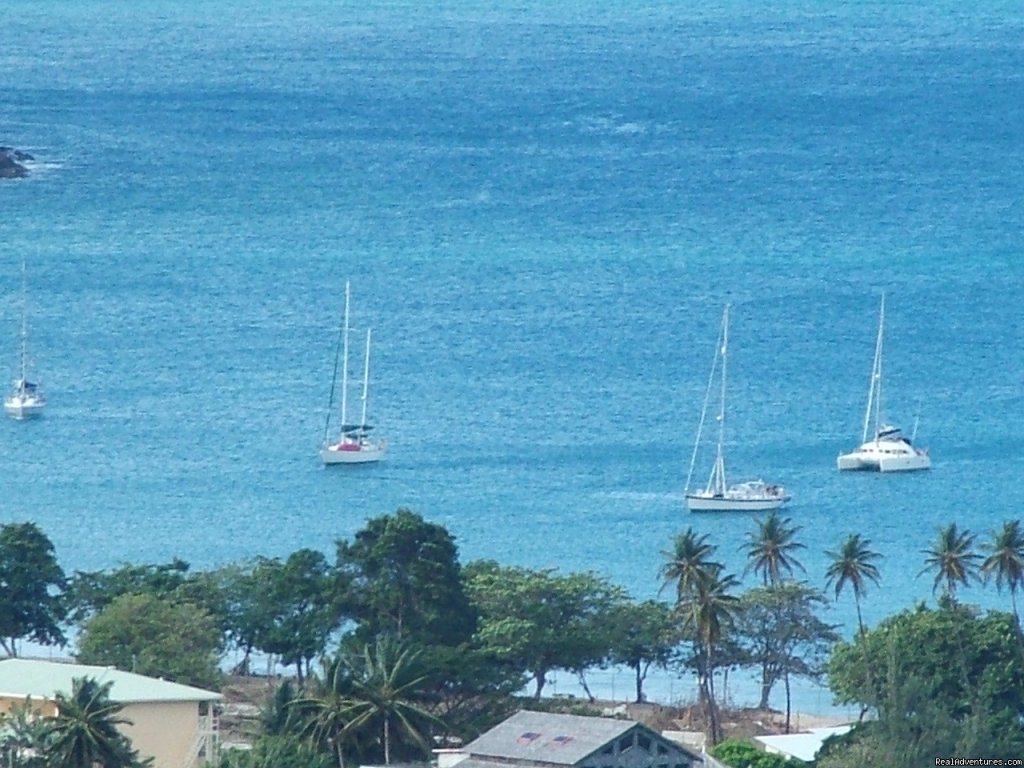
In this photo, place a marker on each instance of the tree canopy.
(941, 681)
(32, 584)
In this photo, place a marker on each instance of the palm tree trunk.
(789, 701)
(860, 619)
(709, 677)
(387, 740)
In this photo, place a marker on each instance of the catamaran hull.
(857, 462)
(724, 504)
(18, 408)
(341, 454)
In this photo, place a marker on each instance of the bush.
(741, 753)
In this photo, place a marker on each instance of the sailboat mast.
(875, 387)
(344, 363)
(366, 380)
(878, 367)
(24, 323)
(719, 459)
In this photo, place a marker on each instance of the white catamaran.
(26, 398)
(888, 450)
(354, 444)
(718, 495)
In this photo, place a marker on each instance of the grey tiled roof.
(546, 738)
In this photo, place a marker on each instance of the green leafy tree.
(1005, 562)
(84, 733)
(643, 635)
(781, 631)
(152, 636)
(853, 564)
(952, 559)
(298, 607)
(91, 591)
(741, 753)
(31, 588)
(538, 620)
(771, 548)
(276, 751)
(943, 673)
(405, 580)
(247, 611)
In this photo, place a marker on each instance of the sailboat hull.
(353, 453)
(18, 407)
(886, 456)
(752, 496)
(725, 504)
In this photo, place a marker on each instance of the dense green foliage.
(31, 588)
(542, 620)
(946, 681)
(740, 753)
(396, 643)
(152, 636)
(405, 580)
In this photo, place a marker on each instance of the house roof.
(21, 678)
(546, 738)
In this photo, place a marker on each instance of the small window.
(643, 742)
(625, 743)
(609, 750)
(528, 738)
(662, 750)
(561, 741)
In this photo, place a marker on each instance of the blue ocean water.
(542, 212)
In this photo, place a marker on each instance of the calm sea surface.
(542, 212)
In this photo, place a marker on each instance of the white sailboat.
(26, 398)
(718, 495)
(888, 450)
(354, 444)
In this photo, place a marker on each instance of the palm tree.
(323, 719)
(366, 696)
(387, 687)
(688, 563)
(708, 609)
(1006, 561)
(770, 549)
(84, 732)
(853, 564)
(952, 558)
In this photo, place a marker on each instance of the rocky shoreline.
(11, 163)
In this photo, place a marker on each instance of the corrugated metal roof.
(20, 678)
(547, 738)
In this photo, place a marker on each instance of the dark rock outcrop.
(11, 163)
